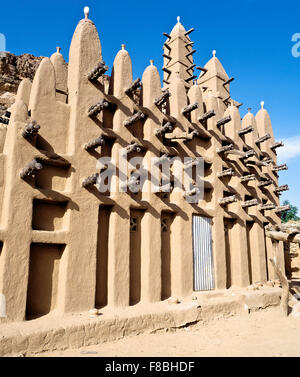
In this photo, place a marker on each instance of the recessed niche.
(48, 215)
(52, 178)
(43, 281)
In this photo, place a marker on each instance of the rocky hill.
(12, 70)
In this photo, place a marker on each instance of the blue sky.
(253, 40)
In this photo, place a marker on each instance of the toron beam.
(265, 183)
(188, 109)
(98, 71)
(227, 200)
(190, 53)
(223, 121)
(195, 191)
(250, 203)
(190, 78)
(256, 162)
(167, 46)
(167, 56)
(133, 147)
(246, 130)
(163, 189)
(225, 148)
(277, 145)
(281, 188)
(134, 86)
(280, 168)
(167, 35)
(31, 130)
(162, 130)
(263, 138)
(249, 177)
(91, 180)
(282, 209)
(191, 67)
(189, 31)
(228, 81)
(226, 173)
(135, 118)
(267, 207)
(163, 98)
(94, 143)
(31, 169)
(204, 70)
(206, 116)
(189, 44)
(94, 110)
(166, 70)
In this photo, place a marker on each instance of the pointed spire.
(178, 55)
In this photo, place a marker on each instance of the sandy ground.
(262, 333)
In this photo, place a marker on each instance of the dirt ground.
(262, 333)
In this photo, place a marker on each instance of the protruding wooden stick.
(31, 130)
(281, 188)
(167, 35)
(277, 145)
(267, 207)
(250, 203)
(225, 148)
(98, 71)
(223, 121)
(263, 138)
(94, 110)
(163, 98)
(226, 173)
(281, 209)
(206, 116)
(265, 183)
(255, 162)
(249, 177)
(190, 78)
(188, 109)
(190, 53)
(134, 86)
(94, 143)
(91, 180)
(189, 31)
(280, 168)
(133, 147)
(31, 169)
(227, 200)
(228, 81)
(246, 130)
(162, 130)
(167, 56)
(135, 118)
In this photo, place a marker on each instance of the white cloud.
(290, 150)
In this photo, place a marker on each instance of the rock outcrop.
(12, 70)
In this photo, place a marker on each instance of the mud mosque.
(66, 247)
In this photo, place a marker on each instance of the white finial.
(123, 47)
(262, 104)
(249, 109)
(178, 19)
(214, 53)
(151, 62)
(58, 49)
(86, 11)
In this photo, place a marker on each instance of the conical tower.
(178, 55)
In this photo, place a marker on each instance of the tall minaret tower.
(178, 55)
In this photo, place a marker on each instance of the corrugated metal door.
(203, 258)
